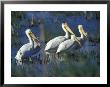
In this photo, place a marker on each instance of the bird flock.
(53, 48)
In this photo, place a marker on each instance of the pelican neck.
(30, 39)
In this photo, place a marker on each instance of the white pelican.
(55, 42)
(52, 45)
(73, 43)
(27, 48)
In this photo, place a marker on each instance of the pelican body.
(53, 44)
(26, 49)
(73, 43)
(68, 45)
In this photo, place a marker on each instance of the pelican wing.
(54, 43)
(22, 50)
(65, 45)
(68, 45)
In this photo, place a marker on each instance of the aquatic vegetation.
(15, 40)
(84, 62)
(86, 14)
(16, 17)
(95, 38)
(81, 64)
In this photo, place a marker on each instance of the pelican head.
(33, 37)
(66, 28)
(30, 33)
(81, 30)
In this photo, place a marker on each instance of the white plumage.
(73, 43)
(67, 45)
(53, 44)
(33, 44)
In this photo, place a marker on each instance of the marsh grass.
(77, 64)
(80, 65)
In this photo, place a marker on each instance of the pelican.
(27, 48)
(52, 45)
(55, 42)
(73, 43)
